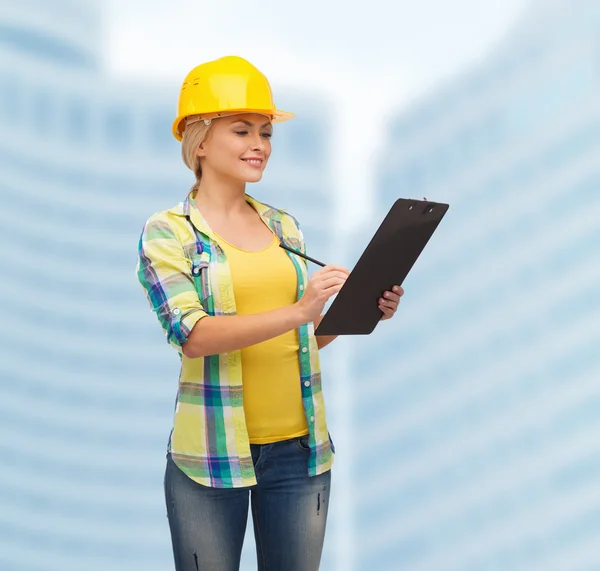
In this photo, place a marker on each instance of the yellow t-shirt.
(263, 281)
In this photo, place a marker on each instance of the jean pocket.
(303, 442)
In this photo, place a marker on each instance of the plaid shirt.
(186, 276)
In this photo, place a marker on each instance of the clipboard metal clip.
(428, 207)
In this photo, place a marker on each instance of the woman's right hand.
(322, 285)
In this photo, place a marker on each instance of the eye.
(241, 133)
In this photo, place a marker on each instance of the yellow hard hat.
(225, 86)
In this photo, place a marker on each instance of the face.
(238, 147)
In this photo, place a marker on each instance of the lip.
(257, 162)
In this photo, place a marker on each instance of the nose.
(257, 143)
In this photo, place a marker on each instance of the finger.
(332, 290)
(387, 312)
(329, 267)
(398, 290)
(338, 274)
(391, 296)
(329, 284)
(392, 304)
(333, 280)
(328, 275)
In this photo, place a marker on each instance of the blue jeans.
(289, 512)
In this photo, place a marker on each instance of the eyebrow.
(249, 123)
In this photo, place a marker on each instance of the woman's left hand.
(389, 302)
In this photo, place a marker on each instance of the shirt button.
(307, 383)
(176, 311)
(196, 271)
(312, 418)
(301, 287)
(304, 349)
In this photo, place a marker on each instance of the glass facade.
(477, 430)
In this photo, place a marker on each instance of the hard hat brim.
(277, 116)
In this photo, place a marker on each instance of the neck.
(221, 196)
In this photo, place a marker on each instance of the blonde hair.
(193, 136)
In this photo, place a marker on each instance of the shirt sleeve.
(165, 274)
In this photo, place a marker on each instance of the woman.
(241, 313)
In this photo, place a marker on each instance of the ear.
(201, 150)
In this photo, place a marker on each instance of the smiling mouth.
(254, 162)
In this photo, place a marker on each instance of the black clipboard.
(386, 261)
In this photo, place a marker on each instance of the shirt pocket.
(201, 275)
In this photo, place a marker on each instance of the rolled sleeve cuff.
(182, 325)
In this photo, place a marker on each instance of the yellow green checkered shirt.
(186, 276)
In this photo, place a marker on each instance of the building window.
(160, 137)
(10, 101)
(118, 127)
(77, 120)
(42, 112)
(305, 141)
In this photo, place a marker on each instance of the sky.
(368, 58)
(400, 47)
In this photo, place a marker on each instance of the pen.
(302, 255)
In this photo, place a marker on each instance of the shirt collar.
(189, 209)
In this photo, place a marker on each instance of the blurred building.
(476, 411)
(88, 382)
